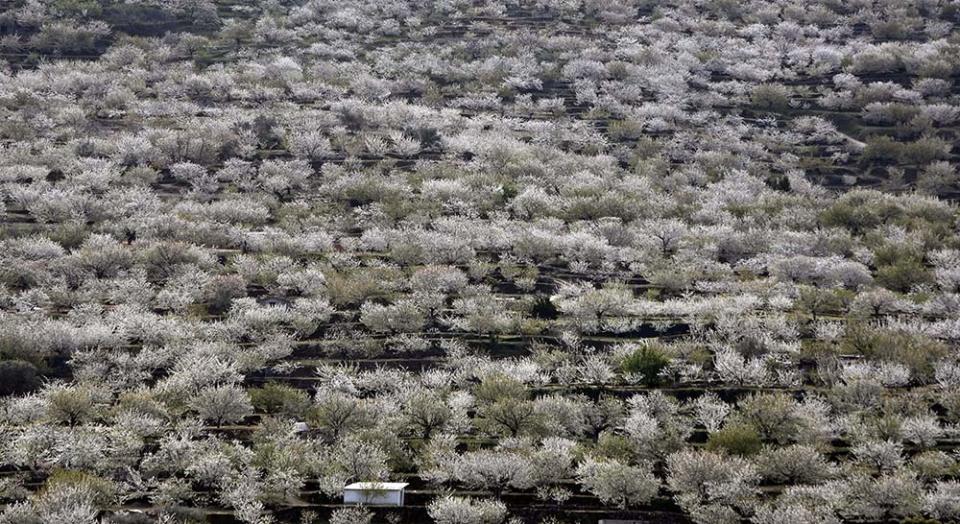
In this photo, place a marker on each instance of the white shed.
(375, 493)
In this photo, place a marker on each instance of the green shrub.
(624, 130)
(881, 149)
(770, 96)
(924, 150)
(737, 439)
(919, 520)
(78, 8)
(17, 377)
(921, 151)
(933, 464)
(615, 447)
(890, 30)
(917, 352)
(890, 253)
(903, 274)
(274, 398)
(499, 387)
(352, 288)
(773, 416)
(103, 490)
(778, 182)
(860, 211)
(949, 400)
(890, 113)
(647, 361)
(818, 301)
(220, 291)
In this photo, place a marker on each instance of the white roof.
(377, 486)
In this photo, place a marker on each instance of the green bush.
(861, 210)
(615, 447)
(890, 253)
(103, 490)
(917, 352)
(903, 274)
(778, 182)
(770, 96)
(737, 439)
(881, 149)
(919, 520)
(922, 151)
(890, 30)
(78, 8)
(625, 130)
(818, 301)
(352, 288)
(647, 361)
(274, 398)
(17, 377)
(499, 387)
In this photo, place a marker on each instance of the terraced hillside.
(547, 261)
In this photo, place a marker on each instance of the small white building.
(375, 493)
